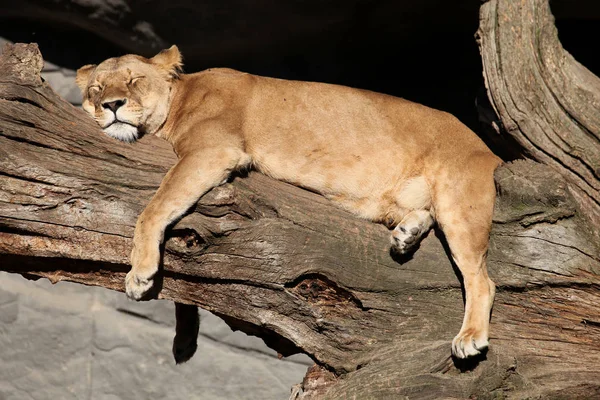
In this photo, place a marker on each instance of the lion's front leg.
(145, 259)
(183, 185)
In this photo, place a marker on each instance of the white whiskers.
(123, 132)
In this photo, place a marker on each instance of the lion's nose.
(114, 105)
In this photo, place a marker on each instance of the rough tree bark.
(284, 264)
(544, 99)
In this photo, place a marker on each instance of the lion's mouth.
(123, 131)
(118, 121)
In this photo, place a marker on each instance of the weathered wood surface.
(544, 99)
(285, 264)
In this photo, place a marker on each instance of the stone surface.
(69, 341)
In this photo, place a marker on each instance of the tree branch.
(287, 265)
(544, 98)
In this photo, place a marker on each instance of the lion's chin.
(123, 132)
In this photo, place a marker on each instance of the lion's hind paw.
(468, 344)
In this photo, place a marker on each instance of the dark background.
(424, 51)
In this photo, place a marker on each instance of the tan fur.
(384, 158)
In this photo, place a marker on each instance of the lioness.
(384, 158)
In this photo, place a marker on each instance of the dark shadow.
(469, 364)
(239, 173)
(573, 34)
(401, 258)
(185, 342)
(17, 263)
(61, 44)
(438, 66)
(272, 339)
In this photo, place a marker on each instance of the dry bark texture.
(286, 265)
(545, 100)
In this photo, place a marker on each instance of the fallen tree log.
(286, 265)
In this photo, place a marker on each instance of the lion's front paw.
(469, 343)
(137, 285)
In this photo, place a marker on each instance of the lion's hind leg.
(464, 203)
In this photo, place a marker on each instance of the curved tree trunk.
(545, 100)
(284, 264)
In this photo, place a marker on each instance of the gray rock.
(69, 341)
(63, 82)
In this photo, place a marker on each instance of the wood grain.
(285, 264)
(544, 99)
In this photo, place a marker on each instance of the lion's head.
(129, 95)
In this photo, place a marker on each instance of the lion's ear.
(83, 76)
(169, 60)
